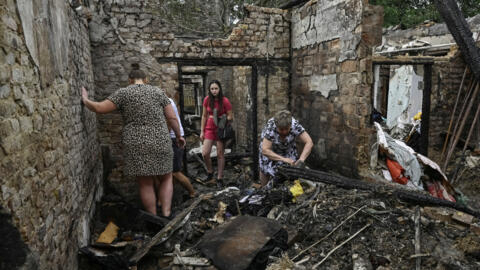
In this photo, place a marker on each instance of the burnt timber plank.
(458, 27)
(411, 196)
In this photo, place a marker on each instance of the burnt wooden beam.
(425, 120)
(146, 216)
(411, 196)
(182, 114)
(254, 97)
(293, 3)
(405, 60)
(282, 61)
(147, 245)
(458, 27)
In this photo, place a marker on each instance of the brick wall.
(129, 31)
(50, 166)
(332, 77)
(446, 80)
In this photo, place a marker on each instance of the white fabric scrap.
(402, 154)
(253, 199)
(387, 175)
(227, 190)
(213, 153)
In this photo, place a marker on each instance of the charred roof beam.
(458, 27)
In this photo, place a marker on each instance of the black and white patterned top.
(146, 141)
(286, 148)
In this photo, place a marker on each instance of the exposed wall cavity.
(13, 251)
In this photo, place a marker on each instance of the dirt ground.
(323, 218)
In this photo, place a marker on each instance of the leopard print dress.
(147, 147)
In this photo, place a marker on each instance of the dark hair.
(211, 98)
(136, 72)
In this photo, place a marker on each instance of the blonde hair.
(283, 119)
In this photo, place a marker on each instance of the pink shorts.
(210, 131)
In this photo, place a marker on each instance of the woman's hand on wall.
(105, 106)
(84, 95)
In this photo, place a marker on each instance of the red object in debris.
(437, 190)
(396, 171)
(432, 188)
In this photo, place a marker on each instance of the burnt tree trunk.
(458, 27)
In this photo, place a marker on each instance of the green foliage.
(408, 13)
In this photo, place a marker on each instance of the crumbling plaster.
(331, 79)
(343, 17)
(46, 35)
(324, 84)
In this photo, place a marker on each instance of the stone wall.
(124, 32)
(332, 78)
(269, 99)
(446, 79)
(50, 166)
(242, 122)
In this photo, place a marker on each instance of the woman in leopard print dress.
(146, 140)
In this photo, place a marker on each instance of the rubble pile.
(328, 228)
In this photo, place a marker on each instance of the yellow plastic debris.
(296, 190)
(109, 234)
(418, 116)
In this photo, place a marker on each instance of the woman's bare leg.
(206, 149)
(264, 179)
(165, 193)
(147, 193)
(220, 159)
(185, 182)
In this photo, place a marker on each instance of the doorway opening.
(401, 99)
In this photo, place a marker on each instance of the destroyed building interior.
(392, 181)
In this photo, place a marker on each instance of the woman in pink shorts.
(214, 106)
